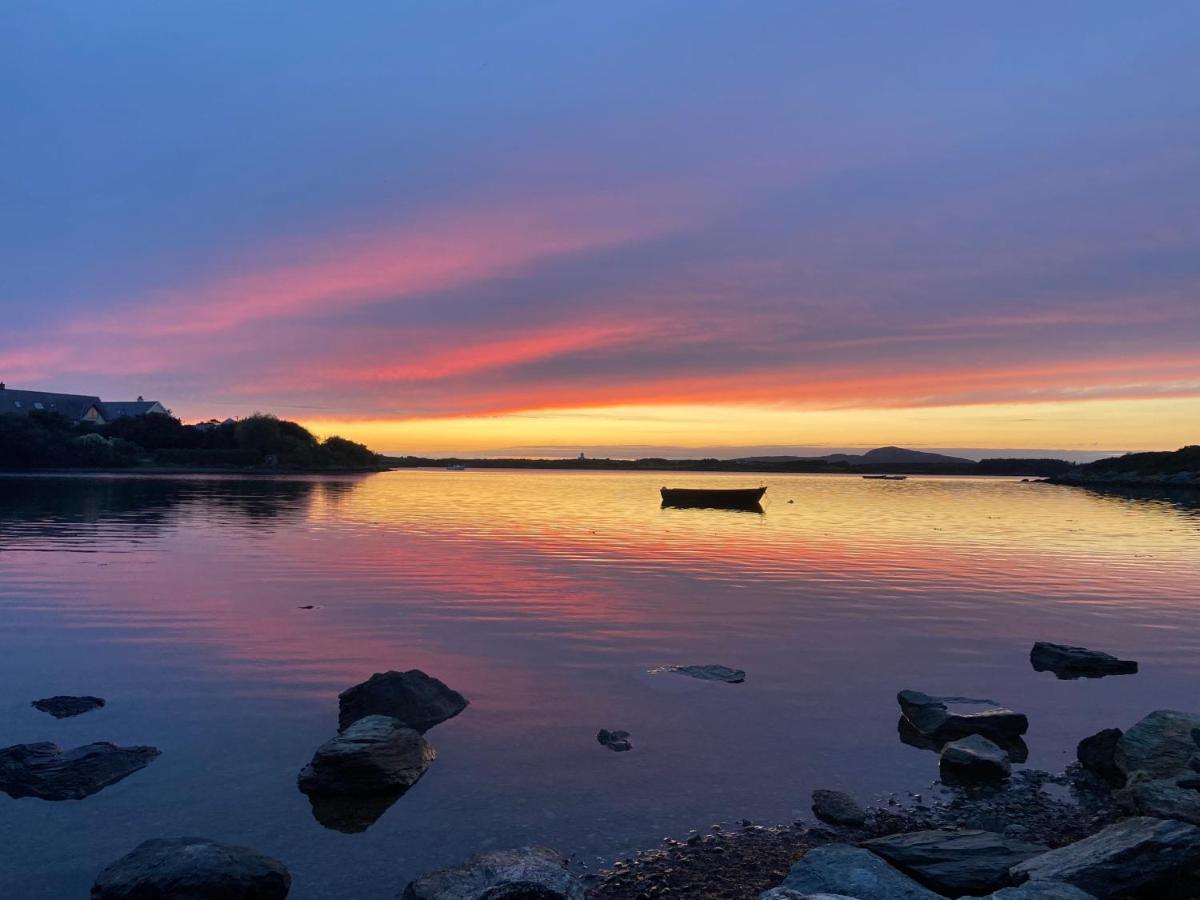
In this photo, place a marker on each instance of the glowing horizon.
(614, 227)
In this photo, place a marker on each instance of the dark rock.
(788, 894)
(842, 869)
(375, 755)
(416, 699)
(1038, 890)
(1159, 746)
(1126, 858)
(973, 759)
(1016, 748)
(950, 718)
(955, 862)
(1164, 798)
(527, 873)
(63, 707)
(614, 740)
(1077, 662)
(45, 770)
(708, 673)
(352, 813)
(1097, 754)
(837, 808)
(192, 869)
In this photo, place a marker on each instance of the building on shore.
(76, 407)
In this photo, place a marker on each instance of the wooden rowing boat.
(718, 498)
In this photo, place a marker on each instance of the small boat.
(885, 477)
(456, 467)
(714, 498)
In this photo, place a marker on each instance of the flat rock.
(1038, 890)
(950, 718)
(1097, 754)
(858, 873)
(418, 700)
(1159, 746)
(191, 868)
(377, 754)
(63, 706)
(973, 759)
(614, 740)
(526, 873)
(1164, 798)
(1132, 855)
(837, 808)
(1068, 662)
(707, 673)
(789, 894)
(47, 771)
(955, 862)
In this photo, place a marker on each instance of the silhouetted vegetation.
(1174, 462)
(1042, 468)
(42, 440)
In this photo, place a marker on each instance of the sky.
(543, 227)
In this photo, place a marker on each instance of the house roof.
(73, 406)
(122, 408)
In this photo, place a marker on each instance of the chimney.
(141, 399)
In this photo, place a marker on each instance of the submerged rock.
(195, 869)
(1039, 890)
(416, 699)
(842, 869)
(707, 673)
(47, 771)
(1159, 746)
(352, 813)
(1097, 754)
(614, 740)
(780, 893)
(838, 808)
(955, 862)
(527, 873)
(63, 706)
(972, 759)
(1077, 662)
(950, 718)
(374, 755)
(1133, 855)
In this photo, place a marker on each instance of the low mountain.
(880, 456)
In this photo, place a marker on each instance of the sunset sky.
(623, 227)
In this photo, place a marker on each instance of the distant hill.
(880, 456)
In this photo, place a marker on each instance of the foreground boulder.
(1164, 798)
(416, 699)
(63, 707)
(192, 868)
(780, 893)
(1039, 890)
(614, 740)
(955, 862)
(1097, 754)
(1068, 662)
(838, 808)
(351, 813)
(708, 673)
(943, 719)
(374, 755)
(47, 771)
(1134, 855)
(842, 869)
(1159, 746)
(527, 873)
(973, 759)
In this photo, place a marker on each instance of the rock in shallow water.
(47, 771)
(527, 873)
(63, 706)
(1038, 890)
(842, 869)
(973, 759)
(416, 699)
(1126, 858)
(789, 894)
(192, 868)
(375, 755)
(614, 740)
(707, 673)
(837, 808)
(1068, 662)
(955, 862)
(1097, 754)
(950, 718)
(1164, 798)
(1159, 746)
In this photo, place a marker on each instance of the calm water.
(545, 597)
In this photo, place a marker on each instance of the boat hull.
(714, 498)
